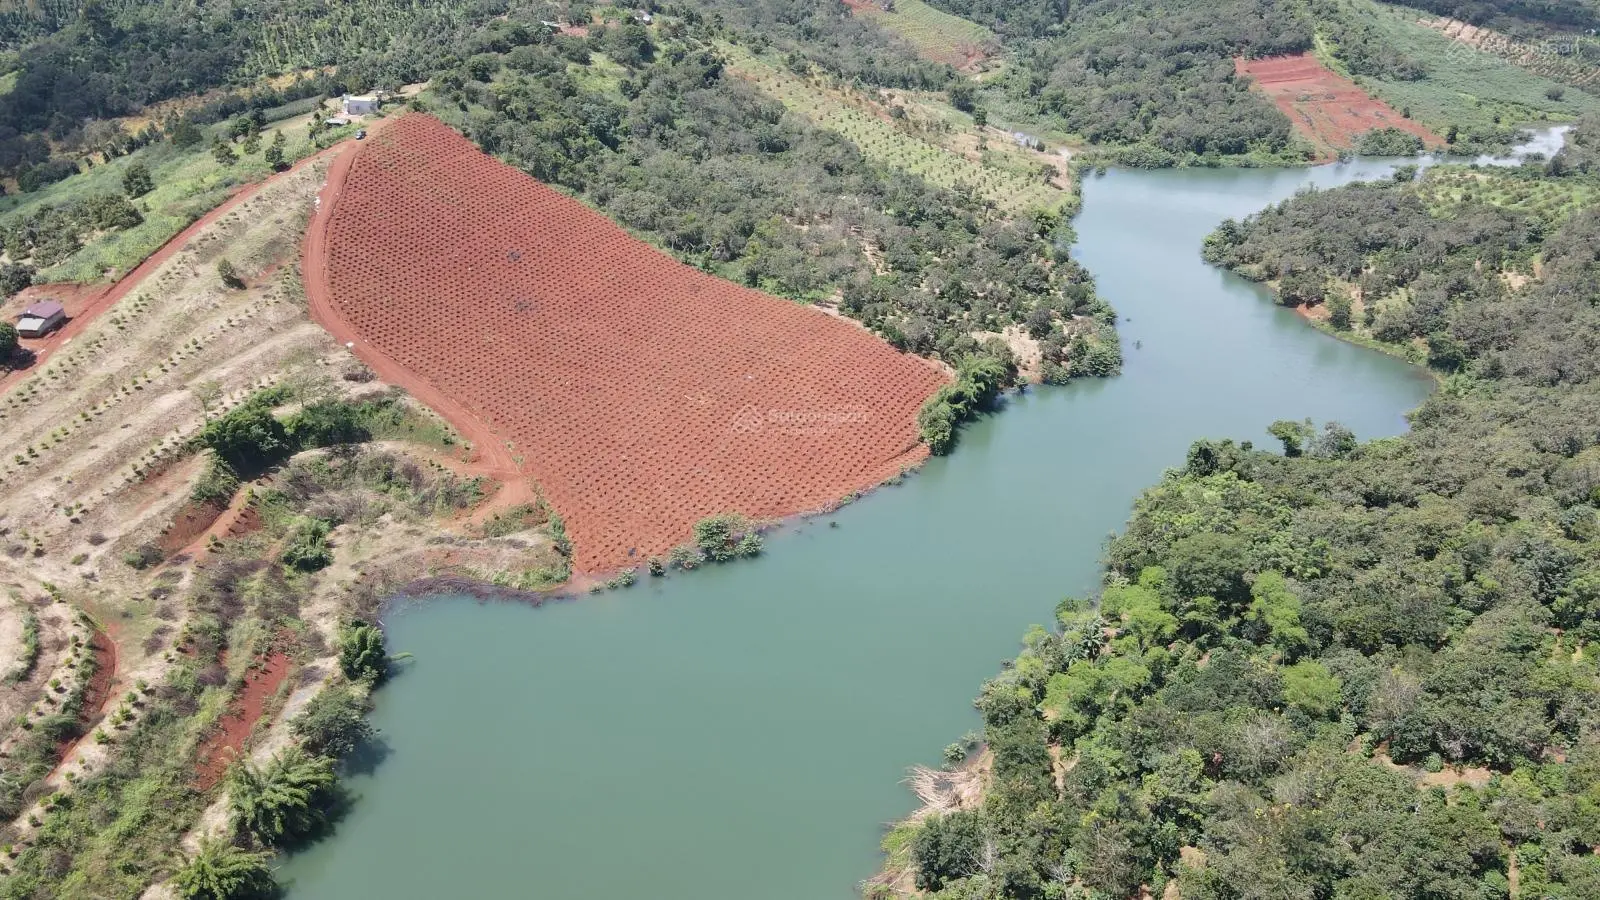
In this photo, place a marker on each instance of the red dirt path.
(642, 394)
(1326, 108)
(85, 302)
(234, 728)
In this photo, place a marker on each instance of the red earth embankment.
(225, 743)
(641, 394)
(1327, 109)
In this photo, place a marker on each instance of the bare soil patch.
(192, 520)
(224, 744)
(1326, 108)
(641, 394)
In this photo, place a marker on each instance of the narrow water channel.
(740, 732)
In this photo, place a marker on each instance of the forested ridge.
(1347, 669)
(1424, 266)
(1147, 82)
(1152, 77)
(1151, 83)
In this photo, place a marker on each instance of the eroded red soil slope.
(641, 394)
(1327, 109)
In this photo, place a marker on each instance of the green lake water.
(740, 733)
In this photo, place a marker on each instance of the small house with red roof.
(41, 318)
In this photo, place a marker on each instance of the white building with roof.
(41, 318)
(360, 104)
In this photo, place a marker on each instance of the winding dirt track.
(86, 302)
(641, 394)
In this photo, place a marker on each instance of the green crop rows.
(1552, 200)
(882, 142)
(936, 34)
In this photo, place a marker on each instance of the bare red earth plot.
(225, 743)
(1327, 109)
(641, 394)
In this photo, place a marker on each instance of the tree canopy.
(1359, 669)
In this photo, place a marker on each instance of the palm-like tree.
(361, 652)
(282, 800)
(221, 871)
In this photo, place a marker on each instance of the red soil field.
(641, 394)
(222, 747)
(1327, 109)
(192, 520)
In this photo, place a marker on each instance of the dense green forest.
(1152, 78)
(1347, 669)
(1422, 265)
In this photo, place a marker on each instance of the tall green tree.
(362, 654)
(136, 180)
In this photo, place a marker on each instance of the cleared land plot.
(1327, 109)
(102, 422)
(1002, 176)
(935, 34)
(643, 395)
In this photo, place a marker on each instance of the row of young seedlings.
(120, 721)
(123, 317)
(939, 164)
(173, 445)
(138, 383)
(68, 684)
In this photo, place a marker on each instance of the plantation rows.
(882, 142)
(935, 34)
(1552, 201)
(641, 394)
(1559, 59)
